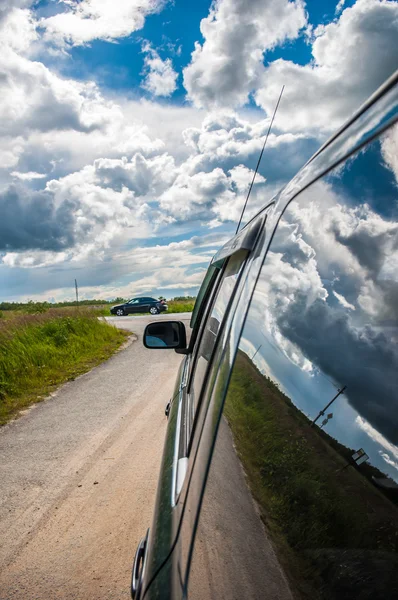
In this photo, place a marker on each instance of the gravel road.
(78, 477)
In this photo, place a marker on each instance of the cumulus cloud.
(136, 188)
(225, 68)
(6, 6)
(205, 194)
(340, 6)
(34, 98)
(82, 22)
(156, 269)
(17, 27)
(29, 176)
(160, 78)
(389, 148)
(80, 210)
(229, 139)
(32, 220)
(352, 56)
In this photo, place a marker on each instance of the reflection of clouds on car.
(331, 297)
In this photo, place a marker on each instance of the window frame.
(245, 240)
(193, 414)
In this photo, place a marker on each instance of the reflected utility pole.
(327, 405)
(256, 352)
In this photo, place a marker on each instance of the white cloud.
(340, 6)
(387, 458)
(141, 175)
(11, 149)
(389, 149)
(343, 301)
(160, 79)
(205, 194)
(156, 269)
(225, 138)
(224, 69)
(352, 56)
(82, 22)
(376, 436)
(29, 176)
(33, 98)
(18, 28)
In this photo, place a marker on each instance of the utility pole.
(327, 405)
(256, 352)
(77, 292)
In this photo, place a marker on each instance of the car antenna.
(259, 160)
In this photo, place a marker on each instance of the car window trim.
(190, 430)
(245, 239)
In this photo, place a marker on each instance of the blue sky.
(119, 66)
(130, 130)
(173, 32)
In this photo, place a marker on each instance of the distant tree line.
(36, 307)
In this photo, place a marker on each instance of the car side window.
(206, 342)
(203, 295)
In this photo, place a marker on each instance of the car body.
(291, 372)
(139, 305)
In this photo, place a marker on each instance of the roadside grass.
(40, 351)
(178, 306)
(101, 308)
(330, 527)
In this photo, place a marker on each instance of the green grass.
(40, 351)
(177, 306)
(323, 521)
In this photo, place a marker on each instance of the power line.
(259, 160)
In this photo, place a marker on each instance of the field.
(178, 304)
(335, 533)
(40, 351)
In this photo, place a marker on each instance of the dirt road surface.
(78, 478)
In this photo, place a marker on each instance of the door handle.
(138, 568)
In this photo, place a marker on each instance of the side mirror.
(165, 335)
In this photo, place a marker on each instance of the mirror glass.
(162, 335)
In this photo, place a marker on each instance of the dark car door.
(187, 413)
(133, 306)
(145, 304)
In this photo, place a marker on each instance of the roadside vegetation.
(335, 533)
(40, 350)
(101, 307)
(178, 305)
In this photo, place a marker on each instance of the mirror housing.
(165, 335)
